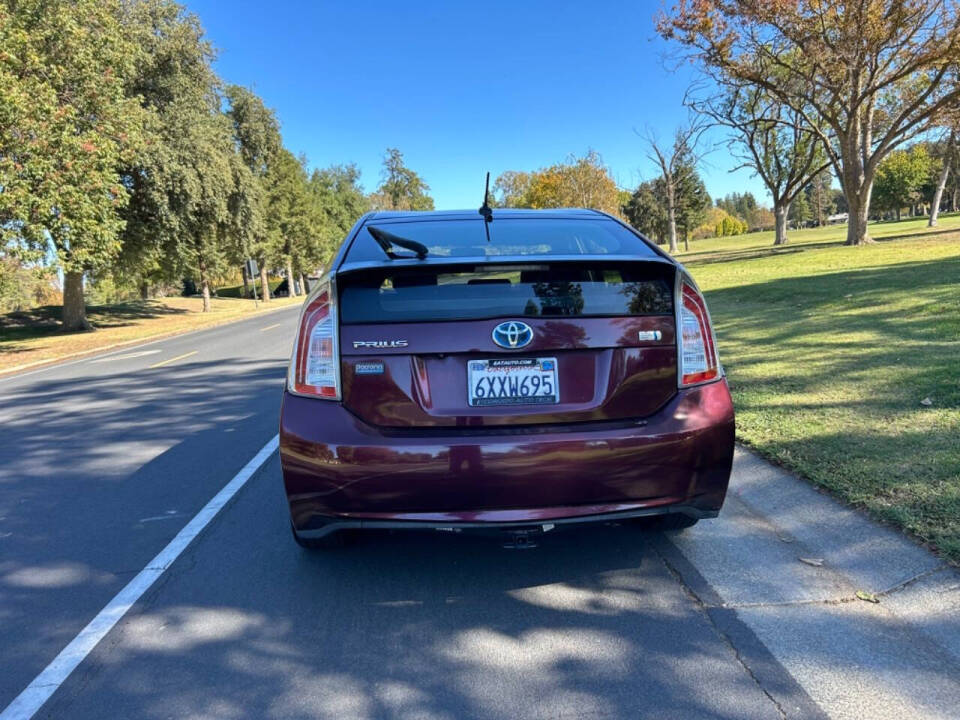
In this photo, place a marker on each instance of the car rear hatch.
(520, 343)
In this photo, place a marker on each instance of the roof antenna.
(485, 209)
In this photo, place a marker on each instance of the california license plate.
(513, 381)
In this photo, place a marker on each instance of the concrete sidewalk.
(897, 658)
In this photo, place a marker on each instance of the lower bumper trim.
(332, 525)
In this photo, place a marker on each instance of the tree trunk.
(938, 195)
(291, 288)
(672, 224)
(205, 286)
(858, 216)
(246, 281)
(898, 214)
(74, 308)
(303, 285)
(780, 213)
(144, 291)
(857, 178)
(264, 283)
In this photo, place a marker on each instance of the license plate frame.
(489, 382)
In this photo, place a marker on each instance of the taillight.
(315, 365)
(698, 354)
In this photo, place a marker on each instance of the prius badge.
(512, 335)
(380, 344)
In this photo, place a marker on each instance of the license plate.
(513, 381)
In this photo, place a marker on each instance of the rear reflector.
(314, 367)
(698, 354)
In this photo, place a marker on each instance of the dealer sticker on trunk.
(513, 381)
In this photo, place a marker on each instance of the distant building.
(838, 218)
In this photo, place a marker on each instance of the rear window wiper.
(387, 241)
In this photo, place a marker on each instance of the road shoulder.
(147, 339)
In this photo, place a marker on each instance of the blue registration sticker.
(546, 364)
(368, 368)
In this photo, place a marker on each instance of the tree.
(257, 136)
(739, 204)
(948, 153)
(770, 138)
(67, 125)
(646, 212)
(676, 163)
(338, 201)
(820, 197)
(511, 187)
(900, 176)
(201, 188)
(800, 214)
(172, 77)
(693, 201)
(579, 182)
(866, 75)
(292, 233)
(761, 218)
(400, 187)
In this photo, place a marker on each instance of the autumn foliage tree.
(579, 182)
(865, 75)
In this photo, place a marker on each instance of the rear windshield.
(508, 236)
(484, 291)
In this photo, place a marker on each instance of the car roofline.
(340, 265)
(441, 261)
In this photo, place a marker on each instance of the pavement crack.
(787, 603)
(704, 609)
(910, 581)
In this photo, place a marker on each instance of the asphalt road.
(105, 459)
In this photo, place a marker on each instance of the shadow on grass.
(788, 311)
(44, 321)
(753, 253)
(710, 257)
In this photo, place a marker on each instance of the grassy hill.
(845, 362)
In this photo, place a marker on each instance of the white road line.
(28, 702)
(127, 356)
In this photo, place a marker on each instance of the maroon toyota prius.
(509, 370)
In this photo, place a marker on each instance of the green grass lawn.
(830, 352)
(737, 246)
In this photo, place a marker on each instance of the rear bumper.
(340, 472)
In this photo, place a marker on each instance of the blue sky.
(462, 88)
